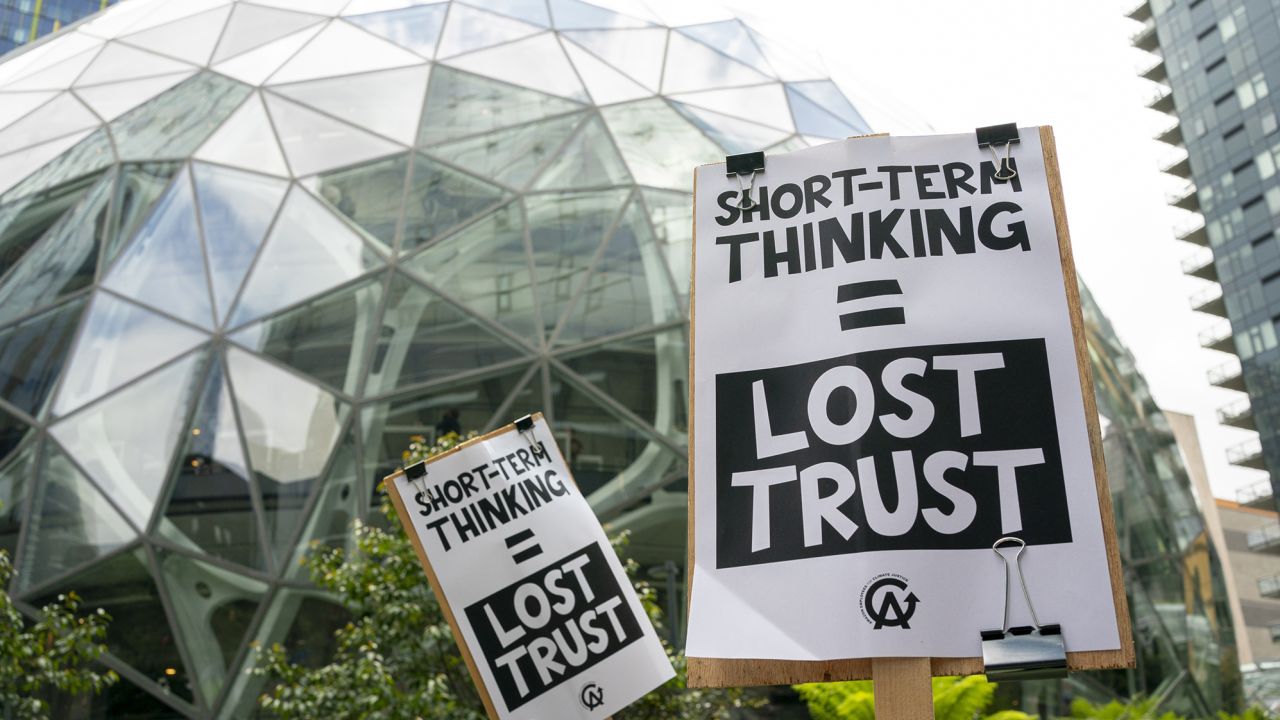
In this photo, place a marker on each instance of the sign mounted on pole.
(889, 376)
(544, 614)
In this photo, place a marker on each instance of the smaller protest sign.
(543, 612)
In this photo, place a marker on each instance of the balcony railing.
(1146, 39)
(1172, 136)
(1258, 494)
(1140, 13)
(1246, 454)
(1227, 375)
(1186, 199)
(1218, 338)
(1265, 539)
(1210, 301)
(1192, 231)
(1269, 586)
(1238, 414)
(1200, 264)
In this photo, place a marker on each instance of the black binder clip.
(995, 135)
(417, 474)
(524, 424)
(745, 164)
(1024, 652)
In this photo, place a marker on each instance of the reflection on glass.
(25, 221)
(658, 144)
(32, 353)
(415, 28)
(370, 195)
(588, 161)
(335, 510)
(459, 103)
(87, 156)
(177, 121)
(511, 155)
(140, 185)
(672, 215)
(440, 198)
(15, 469)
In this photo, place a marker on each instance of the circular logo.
(591, 696)
(887, 602)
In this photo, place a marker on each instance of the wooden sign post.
(890, 373)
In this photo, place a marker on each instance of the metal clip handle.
(1004, 171)
(1017, 565)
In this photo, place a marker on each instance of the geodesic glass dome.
(248, 248)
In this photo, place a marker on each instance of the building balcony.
(1181, 168)
(1210, 302)
(1157, 72)
(1218, 338)
(1163, 102)
(1265, 539)
(1146, 38)
(1258, 495)
(1192, 232)
(1187, 199)
(1172, 136)
(1141, 13)
(1247, 454)
(1238, 414)
(1200, 264)
(1269, 587)
(1227, 376)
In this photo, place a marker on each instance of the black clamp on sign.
(1025, 652)
(994, 136)
(524, 424)
(745, 164)
(417, 473)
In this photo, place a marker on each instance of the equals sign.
(522, 546)
(874, 317)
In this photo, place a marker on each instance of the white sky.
(912, 65)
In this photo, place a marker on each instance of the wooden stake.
(903, 688)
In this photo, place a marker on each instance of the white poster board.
(545, 616)
(886, 380)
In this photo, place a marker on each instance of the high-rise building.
(1218, 61)
(248, 249)
(22, 21)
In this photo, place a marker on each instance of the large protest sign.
(889, 375)
(544, 614)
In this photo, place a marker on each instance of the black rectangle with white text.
(931, 447)
(553, 625)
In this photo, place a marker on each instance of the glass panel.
(605, 83)
(253, 26)
(88, 153)
(439, 199)
(730, 37)
(308, 251)
(572, 14)
(32, 354)
(175, 123)
(191, 39)
(164, 265)
(388, 426)
(126, 442)
(590, 160)
(338, 506)
(326, 338)
(25, 221)
(514, 154)
(64, 261)
(236, 208)
(565, 230)
(60, 116)
(57, 76)
(534, 11)
(13, 430)
(210, 504)
(290, 428)
(659, 145)
(246, 140)
(18, 104)
(672, 216)
(140, 185)
(161, 13)
(647, 374)
(123, 700)
(826, 95)
(693, 66)
(461, 104)
(15, 473)
(732, 134)
(598, 445)
(71, 522)
(370, 195)
(813, 120)
(485, 267)
(637, 53)
(537, 62)
(388, 103)
(214, 610)
(255, 66)
(424, 338)
(786, 62)
(119, 342)
(121, 62)
(112, 100)
(471, 29)
(341, 49)
(139, 631)
(415, 28)
(628, 288)
(315, 143)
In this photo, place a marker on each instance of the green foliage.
(397, 657)
(953, 699)
(1142, 708)
(49, 655)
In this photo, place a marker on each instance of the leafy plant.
(953, 699)
(397, 657)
